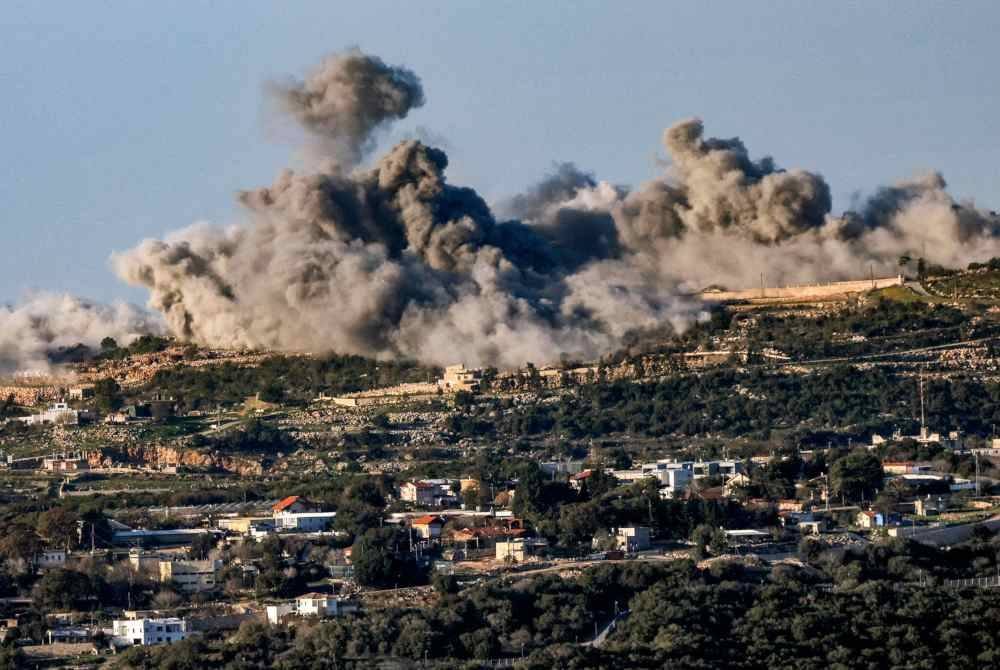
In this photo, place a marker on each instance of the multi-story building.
(191, 576)
(428, 492)
(149, 631)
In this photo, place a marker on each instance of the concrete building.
(869, 519)
(81, 392)
(904, 467)
(303, 522)
(674, 482)
(57, 413)
(317, 604)
(148, 631)
(311, 604)
(244, 524)
(65, 463)
(428, 492)
(512, 550)
(458, 378)
(930, 506)
(52, 558)
(632, 538)
(565, 468)
(191, 576)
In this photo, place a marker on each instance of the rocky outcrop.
(156, 455)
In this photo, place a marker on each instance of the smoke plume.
(31, 332)
(346, 99)
(392, 260)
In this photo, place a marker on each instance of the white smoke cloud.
(45, 322)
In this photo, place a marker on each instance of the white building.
(428, 492)
(52, 558)
(59, 413)
(674, 482)
(149, 631)
(674, 477)
(304, 522)
(555, 468)
(317, 604)
(275, 613)
(311, 604)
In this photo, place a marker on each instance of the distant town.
(158, 494)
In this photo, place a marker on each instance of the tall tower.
(923, 423)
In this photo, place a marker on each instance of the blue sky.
(126, 120)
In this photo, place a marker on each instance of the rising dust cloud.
(388, 259)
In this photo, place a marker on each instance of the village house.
(632, 538)
(869, 519)
(459, 378)
(57, 413)
(65, 463)
(81, 392)
(310, 604)
(144, 632)
(293, 505)
(428, 493)
(297, 514)
(427, 527)
(578, 480)
(515, 550)
(49, 559)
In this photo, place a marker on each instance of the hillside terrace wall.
(26, 396)
(805, 291)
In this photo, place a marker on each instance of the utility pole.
(975, 456)
(923, 424)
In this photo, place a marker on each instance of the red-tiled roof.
(427, 520)
(582, 475)
(285, 503)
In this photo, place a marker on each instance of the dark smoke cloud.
(347, 98)
(393, 260)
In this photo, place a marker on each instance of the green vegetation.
(876, 615)
(144, 344)
(282, 379)
(751, 402)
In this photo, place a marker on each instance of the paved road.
(602, 637)
(918, 288)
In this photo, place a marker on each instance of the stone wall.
(803, 292)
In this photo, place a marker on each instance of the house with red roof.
(293, 505)
(427, 527)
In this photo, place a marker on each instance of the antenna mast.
(923, 424)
